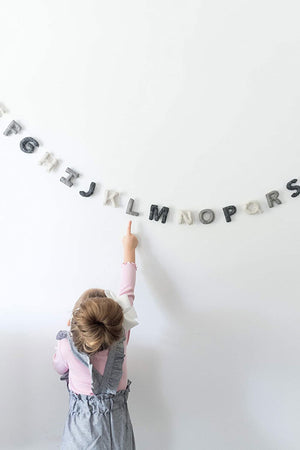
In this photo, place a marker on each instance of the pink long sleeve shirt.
(79, 374)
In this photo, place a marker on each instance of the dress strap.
(61, 335)
(83, 357)
(109, 381)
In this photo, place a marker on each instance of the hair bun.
(98, 323)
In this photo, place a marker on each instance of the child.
(92, 359)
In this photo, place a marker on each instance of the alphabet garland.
(206, 216)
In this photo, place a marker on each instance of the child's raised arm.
(129, 268)
(130, 242)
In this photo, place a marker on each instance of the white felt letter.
(185, 217)
(253, 208)
(110, 196)
(3, 110)
(49, 161)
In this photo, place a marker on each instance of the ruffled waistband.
(99, 403)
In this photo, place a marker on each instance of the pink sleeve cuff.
(129, 262)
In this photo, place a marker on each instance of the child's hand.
(130, 241)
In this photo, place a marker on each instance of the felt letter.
(293, 188)
(13, 127)
(90, 191)
(253, 208)
(154, 212)
(209, 219)
(185, 217)
(228, 212)
(3, 110)
(28, 145)
(273, 197)
(110, 196)
(129, 208)
(68, 181)
(49, 160)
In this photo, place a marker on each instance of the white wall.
(189, 105)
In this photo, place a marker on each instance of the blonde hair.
(97, 322)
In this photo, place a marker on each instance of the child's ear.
(69, 323)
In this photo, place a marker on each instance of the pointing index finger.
(129, 227)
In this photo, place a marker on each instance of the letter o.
(205, 212)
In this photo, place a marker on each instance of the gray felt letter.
(293, 188)
(273, 197)
(129, 208)
(13, 127)
(90, 191)
(154, 212)
(68, 181)
(28, 145)
(205, 212)
(228, 212)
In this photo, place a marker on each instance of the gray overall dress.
(100, 421)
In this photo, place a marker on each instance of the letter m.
(157, 214)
